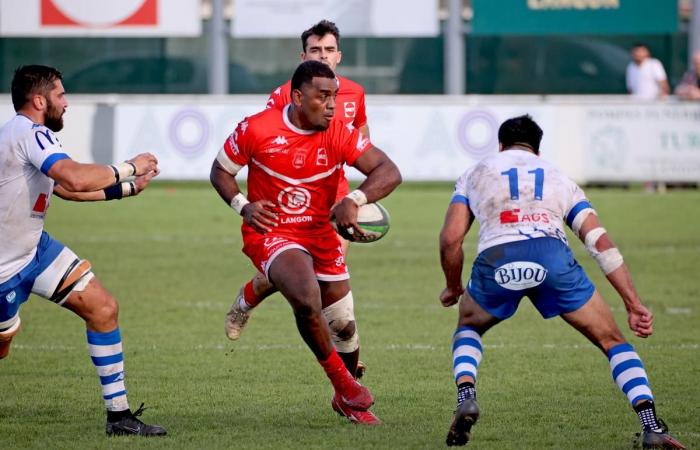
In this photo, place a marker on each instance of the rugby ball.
(373, 218)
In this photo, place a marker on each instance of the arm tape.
(608, 260)
(238, 202)
(120, 190)
(226, 163)
(123, 170)
(358, 197)
(580, 218)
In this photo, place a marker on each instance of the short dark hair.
(308, 70)
(322, 28)
(521, 130)
(641, 45)
(32, 79)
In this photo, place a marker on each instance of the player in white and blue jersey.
(33, 165)
(522, 202)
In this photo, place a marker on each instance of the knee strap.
(341, 320)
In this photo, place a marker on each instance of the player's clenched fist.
(141, 182)
(144, 163)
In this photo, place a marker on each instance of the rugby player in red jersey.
(294, 157)
(321, 43)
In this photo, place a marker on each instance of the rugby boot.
(360, 370)
(235, 319)
(465, 417)
(129, 425)
(355, 395)
(660, 438)
(353, 415)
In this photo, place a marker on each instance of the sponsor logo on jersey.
(514, 216)
(47, 136)
(11, 297)
(296, 219)
(520, 275)
(321, 157)
(40, 206)
(232, 142)
(350, 109)
(299, 159)
(294, 199)
(280, 140)
(361, 142)
(274, 150)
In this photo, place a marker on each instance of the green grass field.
(172, 258)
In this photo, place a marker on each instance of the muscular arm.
(382, 174)
(78, 177)
(639, 318)
(258, 214)
(458, 219)
(136, 187)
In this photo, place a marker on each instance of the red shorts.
(325, 250)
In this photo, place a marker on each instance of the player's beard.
(53, 119)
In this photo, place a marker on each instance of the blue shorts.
(16, 290)
(543, 269)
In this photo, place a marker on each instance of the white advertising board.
(642, 142)
(100, 18)
(288, 18)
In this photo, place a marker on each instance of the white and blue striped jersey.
(516, 195)
(27, 152)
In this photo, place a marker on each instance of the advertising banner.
(288, 18)
(100, 18)
(575, 16)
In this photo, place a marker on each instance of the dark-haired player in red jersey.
(321, 43)
(294, 157)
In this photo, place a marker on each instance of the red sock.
(336, 370)
(249, 295)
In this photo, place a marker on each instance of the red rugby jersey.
(349, 103)
(296, 169)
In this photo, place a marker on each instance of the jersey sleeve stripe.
(457, 198)
(51, 160)
(580, 206)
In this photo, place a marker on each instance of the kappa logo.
(244, 126)
(280, 140)
(350, 109)
(11, 297)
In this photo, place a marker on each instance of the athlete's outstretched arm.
(603, 250)
(78, 177)
(457, 222)
(258, 214)
(382, 178)
(114, 192)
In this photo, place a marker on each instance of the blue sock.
(106, 354)
(629, 374)
(466, 356)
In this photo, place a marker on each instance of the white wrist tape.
(228, 165)
(123, 170)
(238, 202)
(358, 197)
(608, 260)
(128, 189)
(580, 218)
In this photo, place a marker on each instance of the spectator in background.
(689, 89)
(645, 76)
